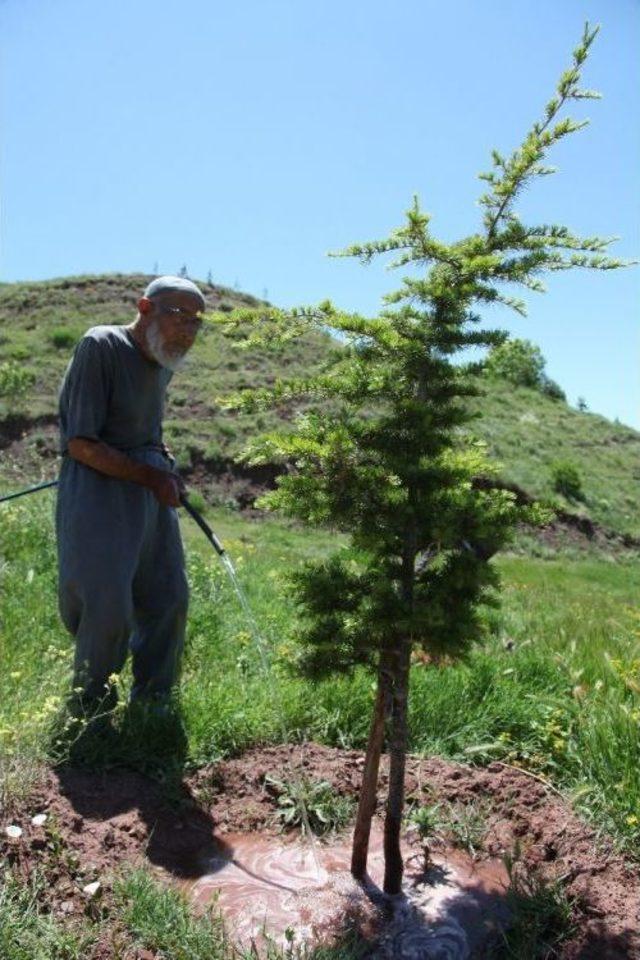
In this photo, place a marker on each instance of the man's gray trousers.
(122, 582)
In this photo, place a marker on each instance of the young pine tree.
(385, 454)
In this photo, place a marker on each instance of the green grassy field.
(563, 702)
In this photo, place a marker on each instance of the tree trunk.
(393, 864)
(367, 800)
(400, 667)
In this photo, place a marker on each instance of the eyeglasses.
(183, 317)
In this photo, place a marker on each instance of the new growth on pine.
(385, 450)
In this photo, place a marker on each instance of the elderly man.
(122, 582)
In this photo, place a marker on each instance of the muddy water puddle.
(270, 889)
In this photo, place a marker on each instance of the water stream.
(276, 698)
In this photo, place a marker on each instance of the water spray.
(264, 660)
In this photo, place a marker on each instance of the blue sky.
(249, 139)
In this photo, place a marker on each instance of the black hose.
(191, 510)
(23, 493)
(204, 526)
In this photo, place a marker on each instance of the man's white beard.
(156, 348)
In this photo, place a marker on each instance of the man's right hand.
(166, 488)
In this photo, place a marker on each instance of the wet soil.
(97, 822)
(301, 893)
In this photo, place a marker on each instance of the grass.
(542, 916)
(554, 689)
(161, 920)
(142, 914)
(28, 932)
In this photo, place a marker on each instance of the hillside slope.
(525, 431)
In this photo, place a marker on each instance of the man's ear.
(145, 305)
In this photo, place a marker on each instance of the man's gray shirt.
(112, 392)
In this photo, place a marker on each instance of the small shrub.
(566, 480)
(183, 458)
(213, 452)
(20, 352)
(518, 361)
(15, 382)
(521, 363)
(551, 389)
(63, 338)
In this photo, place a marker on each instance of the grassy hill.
(525, 430)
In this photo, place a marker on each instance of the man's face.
(174, 321)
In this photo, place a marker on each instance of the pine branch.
(524, 163)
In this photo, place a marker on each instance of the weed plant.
(325, 809)
(541, 915)
(463, 825)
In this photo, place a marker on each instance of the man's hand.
(167, 488)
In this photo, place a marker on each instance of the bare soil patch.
(97, 822)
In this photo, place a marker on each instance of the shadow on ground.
(125, 770)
